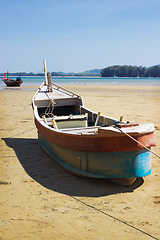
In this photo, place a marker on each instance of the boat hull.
(13, 83)
(125, 164)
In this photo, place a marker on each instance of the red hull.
(96, 143)
(12, 83)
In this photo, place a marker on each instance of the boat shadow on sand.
(49, 174)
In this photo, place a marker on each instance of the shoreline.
(35, 82)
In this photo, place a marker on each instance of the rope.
(136, 141)
(22, 133)
(115, 218)
(49, 109)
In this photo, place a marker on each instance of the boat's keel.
(124, 181)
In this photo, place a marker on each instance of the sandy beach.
(39, 200)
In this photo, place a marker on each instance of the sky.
(78, 35)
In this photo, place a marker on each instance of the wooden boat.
(87, 143)
(10, 82)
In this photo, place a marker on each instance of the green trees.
(116, 70)
(130, 71)
(153, 71)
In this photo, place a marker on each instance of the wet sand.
(39, 200)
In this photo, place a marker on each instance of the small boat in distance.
(10, 82)
(87, 143)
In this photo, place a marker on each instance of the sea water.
(37, 81)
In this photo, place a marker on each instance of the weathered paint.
(97, 142)
(129, 164)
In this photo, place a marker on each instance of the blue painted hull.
(129, 164)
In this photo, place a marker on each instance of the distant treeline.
(116, 70)
(31, 74)
(131, 71)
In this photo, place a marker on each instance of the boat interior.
(73, 116)
(64, 110)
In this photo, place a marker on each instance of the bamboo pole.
(45, 71)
